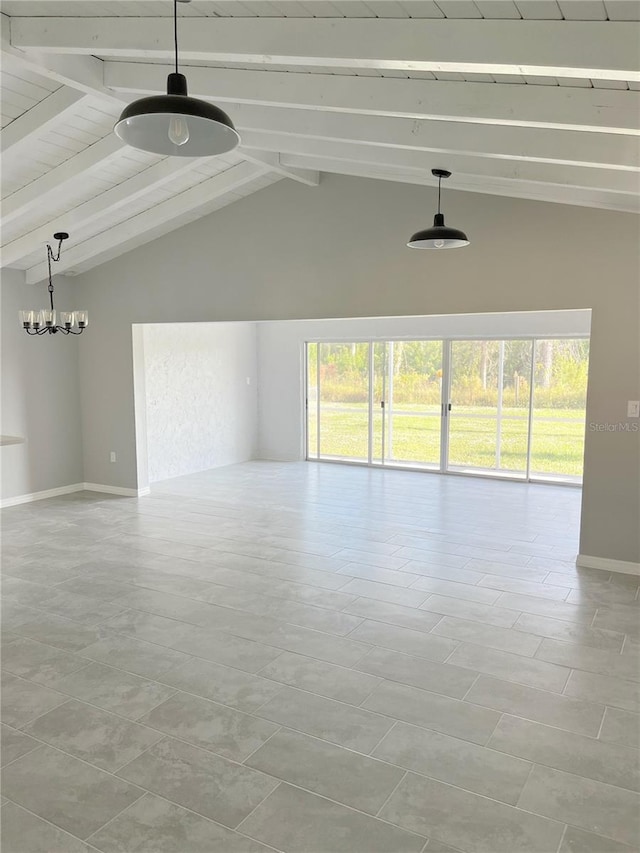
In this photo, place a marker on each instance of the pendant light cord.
(439, 186)
(175, 30)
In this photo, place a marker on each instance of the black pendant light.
(175, 123)
(440, 236)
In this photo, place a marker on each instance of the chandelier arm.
(69, 331)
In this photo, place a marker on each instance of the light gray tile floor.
(316, 659)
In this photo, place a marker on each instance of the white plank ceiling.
(524, 98)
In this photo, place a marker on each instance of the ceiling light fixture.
(175, 124)
(440, 236)
(41, 321)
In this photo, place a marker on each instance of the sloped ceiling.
(525, 98)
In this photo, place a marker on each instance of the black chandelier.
(43, 321)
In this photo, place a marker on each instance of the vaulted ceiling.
(526, 98)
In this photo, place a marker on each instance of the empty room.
(320, 415)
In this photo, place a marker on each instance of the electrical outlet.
(112, 456)
(248, 380)
(633, 408)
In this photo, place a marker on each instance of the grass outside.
(557, 440)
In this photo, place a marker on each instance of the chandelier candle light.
(175, 123)
(440, 236)
(41, 322)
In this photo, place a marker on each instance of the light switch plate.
(633, 408)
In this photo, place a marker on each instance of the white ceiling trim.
(38, 192)
(581, 49)
(48, 113)
(85, 73)
(614, 151)
(493, 185)
(553, 107)
(624, 184)
(310, 177)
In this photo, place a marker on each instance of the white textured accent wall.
(201, 413)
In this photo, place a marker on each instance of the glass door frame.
(446, 406)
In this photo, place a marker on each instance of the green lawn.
(557, 437)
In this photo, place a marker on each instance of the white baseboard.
(265, 456)
(623, 566)
(116, 490)
(40, 496)
(75, 487)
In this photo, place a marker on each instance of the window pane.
(344, 401)
(413, 403)
(513, 409)
(473, 420)
(559, 408)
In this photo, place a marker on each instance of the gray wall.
(40, 394)
(201, 412)
(337, 250)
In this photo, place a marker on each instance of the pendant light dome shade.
(175, 124)
(440, 236)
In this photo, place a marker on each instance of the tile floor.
(316, 659)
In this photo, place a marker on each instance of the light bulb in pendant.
(178, 131)
(438, 244)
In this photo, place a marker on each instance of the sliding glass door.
(559, 408)
(488, 409)
(414, 403)
(472, 405)
(340, 386)
(508, 408)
